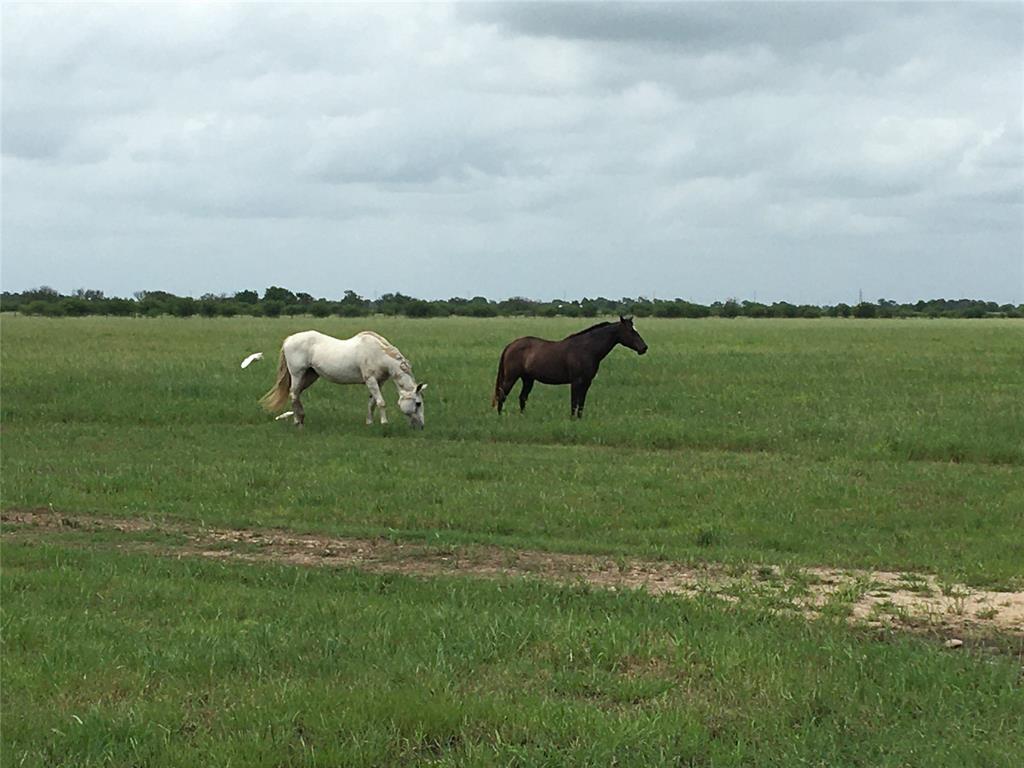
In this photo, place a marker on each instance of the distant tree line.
(277, 301)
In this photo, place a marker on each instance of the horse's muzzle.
(642, 350)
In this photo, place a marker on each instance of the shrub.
(44, 308)
(75, 307)
(183, 307)
(865, 309)
(730, 309)
(120, 307)
(419, 308)
(668, 309)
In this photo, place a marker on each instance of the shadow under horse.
(573, 360)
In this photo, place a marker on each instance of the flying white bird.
(252, 358)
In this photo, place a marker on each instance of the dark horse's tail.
(501, 373)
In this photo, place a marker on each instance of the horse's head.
(411, 404)
(628, 337)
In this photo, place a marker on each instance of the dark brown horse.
(573, 360)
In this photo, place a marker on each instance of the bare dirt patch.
(877, 598)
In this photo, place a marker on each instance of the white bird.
(252, 358)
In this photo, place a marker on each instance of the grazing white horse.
(367, 358)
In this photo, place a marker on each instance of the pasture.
(894, 445)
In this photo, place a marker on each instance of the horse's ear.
(420, 387)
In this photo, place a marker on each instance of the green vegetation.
(277, 301)
(893, 444)
(115, 659)
(888, 444)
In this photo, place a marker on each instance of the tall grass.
(121, 660)
(895, 444)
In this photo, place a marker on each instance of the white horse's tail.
(279, 393)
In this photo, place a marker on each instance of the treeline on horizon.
(277, 301)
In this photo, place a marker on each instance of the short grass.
(886, 444)
(895, 444)
(126, 660)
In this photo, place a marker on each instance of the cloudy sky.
(778, 151)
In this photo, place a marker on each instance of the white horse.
(367, 358)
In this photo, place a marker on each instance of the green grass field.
(895, 445)
(874, 444)
(128, 660)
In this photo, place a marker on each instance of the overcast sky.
(783, 151)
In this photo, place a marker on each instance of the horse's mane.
(389, 349)
(588, 330)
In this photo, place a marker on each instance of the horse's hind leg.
(506, 386)
(299, 385)
(525, 392)
(503, 391)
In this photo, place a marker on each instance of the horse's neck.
(402, 378)
(601, 341)
(396, 365)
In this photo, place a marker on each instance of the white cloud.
(516, 149)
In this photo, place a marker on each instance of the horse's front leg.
(369, 409)
(581, 397)
(376, 397)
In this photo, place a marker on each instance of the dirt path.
(877, 598)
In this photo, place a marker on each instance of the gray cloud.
(696, 26)
(799, 151)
